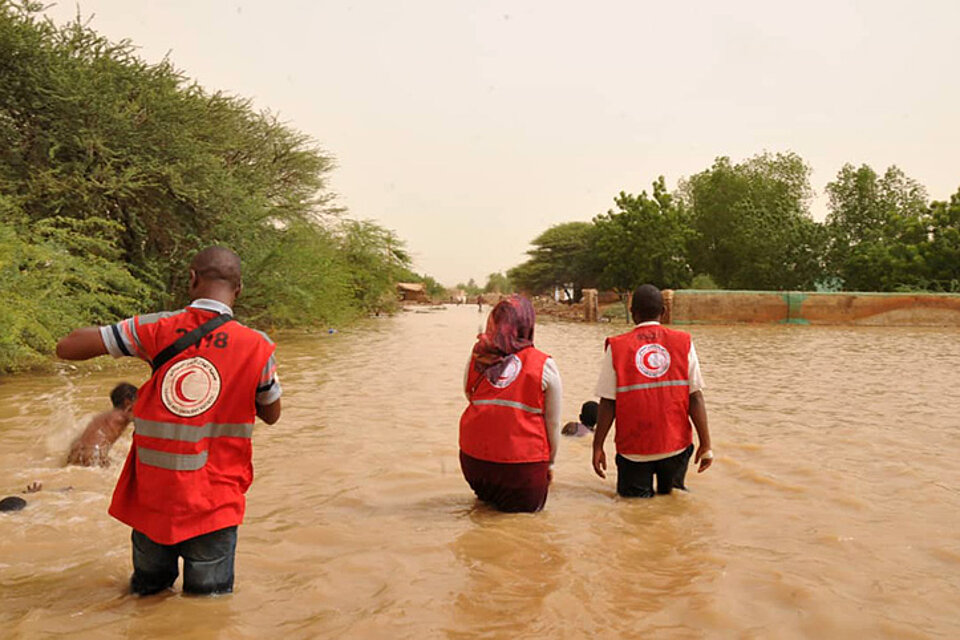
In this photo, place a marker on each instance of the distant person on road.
(510, 430)
(92, 448)
(650, 383)
(587, 423)
(479, 304)
(182, 487)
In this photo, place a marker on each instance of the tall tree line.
(747, 225)
(113, 172)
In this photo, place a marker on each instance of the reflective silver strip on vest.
(172, 461)
(183, 433)
(190, 433)
(654, 385)
(511, 404)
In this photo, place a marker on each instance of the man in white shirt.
(650, 383)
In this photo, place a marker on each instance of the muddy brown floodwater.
(832, 511)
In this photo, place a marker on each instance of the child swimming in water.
(92, 448)
(588, 421)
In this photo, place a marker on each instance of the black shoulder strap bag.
(189, 339)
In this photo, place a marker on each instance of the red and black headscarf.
(509, 330)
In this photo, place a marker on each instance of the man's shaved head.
(647, 303)
(217, 263)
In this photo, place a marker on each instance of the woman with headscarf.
(510, 430)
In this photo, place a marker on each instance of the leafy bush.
(59, 275)
(703, 281)
(114, 172)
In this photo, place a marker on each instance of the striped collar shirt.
(121, 340)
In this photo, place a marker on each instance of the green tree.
(298, 277)
(54, 275)
(471, 288)
(643, 241)
(93, 131)
(498, 283)
(876, 227)
(559, 258)
(377, 259)
(113, 172)
(752, 225)
(435, 289)
(941, 252)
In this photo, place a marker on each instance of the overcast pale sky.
(469, 127)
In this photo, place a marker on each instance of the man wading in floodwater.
(650, 382)
(182, 487)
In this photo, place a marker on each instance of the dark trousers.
(635, 479)
(207, 563)
(508, 486)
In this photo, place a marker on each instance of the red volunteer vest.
(190, 462)
(653, 391)
(504, 422)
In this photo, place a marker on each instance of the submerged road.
(831, 511)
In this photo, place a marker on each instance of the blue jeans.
(207, 563)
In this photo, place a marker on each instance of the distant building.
(412, 292)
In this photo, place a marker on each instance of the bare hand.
(600, 462)
(704, 462)
(549, 476)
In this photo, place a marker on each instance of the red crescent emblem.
(178, 388)
(188, 396)
(653, 360)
